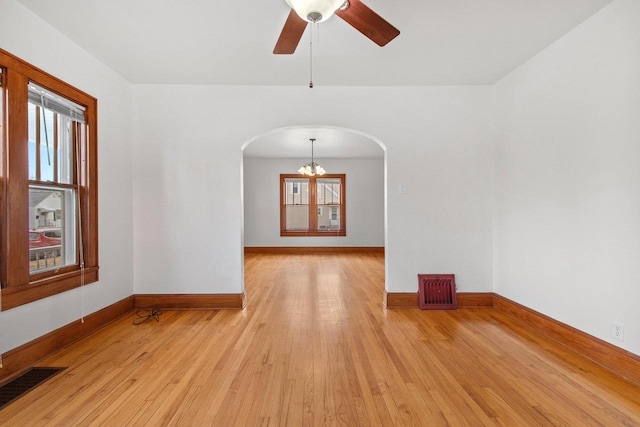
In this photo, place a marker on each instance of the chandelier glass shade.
(311, 168)
(315, 11)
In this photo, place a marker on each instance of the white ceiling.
(442, 42)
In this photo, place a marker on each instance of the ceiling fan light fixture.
(315, 11)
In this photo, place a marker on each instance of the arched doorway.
(360, 156)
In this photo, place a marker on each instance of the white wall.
(567, 223)
(188, 200)
(28, 37)
(364, 202)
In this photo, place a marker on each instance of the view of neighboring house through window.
(312, 206)
(329, 196)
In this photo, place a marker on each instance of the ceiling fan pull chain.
(310, 56)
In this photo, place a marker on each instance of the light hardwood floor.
(315, 346)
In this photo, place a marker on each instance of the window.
(312, 206)
(48, 142)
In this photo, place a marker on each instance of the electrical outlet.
(617, 330)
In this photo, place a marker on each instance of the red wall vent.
(437, 292)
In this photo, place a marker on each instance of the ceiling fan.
(354, 12)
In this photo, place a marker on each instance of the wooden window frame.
(313, 207)
(19, 286)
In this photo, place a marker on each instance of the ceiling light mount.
(314, 17)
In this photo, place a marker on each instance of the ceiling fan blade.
(369, 23)
(291, 34)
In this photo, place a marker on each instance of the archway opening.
(357, 155)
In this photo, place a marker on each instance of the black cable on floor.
(145, 314)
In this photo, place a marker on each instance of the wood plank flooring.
(315, 347)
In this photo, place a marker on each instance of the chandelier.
(311, 168)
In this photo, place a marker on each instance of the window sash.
(52, 142)
(46, 253)
(296, 191)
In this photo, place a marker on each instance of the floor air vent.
(437, 292)
(25, 382)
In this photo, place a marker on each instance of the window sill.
(18, 295)
(340, 233)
